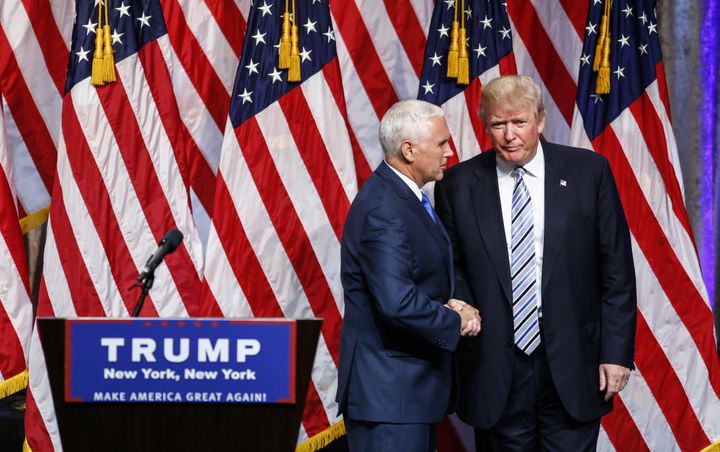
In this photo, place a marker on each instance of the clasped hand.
(469, 317)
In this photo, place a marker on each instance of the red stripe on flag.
(290, 231)
(653, 132)
(408, 28)
(52, 45)
(187, 154)
(314, 417)
(44, 308)
(365, 59)
(472, 101)
(96, 197)
(231, 22)
(621, 429)
(196, 64)
(662, 88)
(136, 156)
(10, 227)
(447, 437)
(331, 71)
(312, 150)
(546, 59)
(577, 12)
(28, 119)
(668, 390)
(674, 280)
(35, 432)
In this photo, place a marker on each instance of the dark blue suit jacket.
(588, 280)
(397, 337)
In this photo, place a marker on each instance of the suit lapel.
(556, 194)
(439, 235)
(488, 214)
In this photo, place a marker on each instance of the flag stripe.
(659, 252)
(231, 22)
(52, 44)
(621, 430)
(409, 30)
(290, 231)
(577, 12)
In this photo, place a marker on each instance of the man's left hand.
(613, 379)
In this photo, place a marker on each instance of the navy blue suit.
(397, 337)
(588, 281)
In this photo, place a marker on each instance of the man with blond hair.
(542, 250)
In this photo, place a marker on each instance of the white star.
(643, 18)
(443, 31)
(595, 2)
(620, 72)
(480, 50)
(252, 67)
(245, 96)
(596, 97)
(259, 37)
(82, 54)
(309, 26)
(643, 49)
(435, 59)
(144, 20)
(505, 32)
(627, 11)
(116, 37)
(123, 9)
(468, 13)
(305, 55)
(449, 3)
(652, 28)
(428, 87)
(330, 34)
(486, 22)
(591, 28)
(317, 1)
(585, 59)
(90, 27)
(265, 8)
(275, 74)
(623, 40)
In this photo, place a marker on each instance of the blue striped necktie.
(522, 268)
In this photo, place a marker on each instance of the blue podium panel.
(166, 361)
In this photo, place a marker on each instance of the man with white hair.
(401, 324)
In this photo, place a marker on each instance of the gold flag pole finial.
(601, 63)
(108, 59)
(452, 69)
(294, 69)
(463, 60)
(284, 61)
(96, 74)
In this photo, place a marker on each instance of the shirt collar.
(534, 168)
(409, 182)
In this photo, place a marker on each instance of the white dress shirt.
(535, 182)
(409, 182)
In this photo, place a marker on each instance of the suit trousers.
(383, 437)
(534, 417)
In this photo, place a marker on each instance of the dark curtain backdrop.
(690, 37)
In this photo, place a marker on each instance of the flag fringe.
(34, 220)
(14, 384)
(322, 439)
(26, 446)
(714, 447)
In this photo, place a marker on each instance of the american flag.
(381, 52)
(15, 307)
(121, 183)
(286, 179)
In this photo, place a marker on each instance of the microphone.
(168, 244)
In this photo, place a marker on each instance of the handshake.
(469, 317)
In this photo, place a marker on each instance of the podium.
(181, 426)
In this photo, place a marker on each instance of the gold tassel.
(284, 61)
(97, 65)
(603, 35)
(601, 63)
(108, 59)
(602, 84)
(294, 70)
(463, 61)
(452, 69)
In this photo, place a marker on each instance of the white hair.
(406, 120)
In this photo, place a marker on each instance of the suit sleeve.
(619, 301)
(386, 258)
(443, 208)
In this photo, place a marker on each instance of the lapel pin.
(563, 183)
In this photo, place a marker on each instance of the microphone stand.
(147, 283)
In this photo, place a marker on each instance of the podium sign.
(180, 361)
